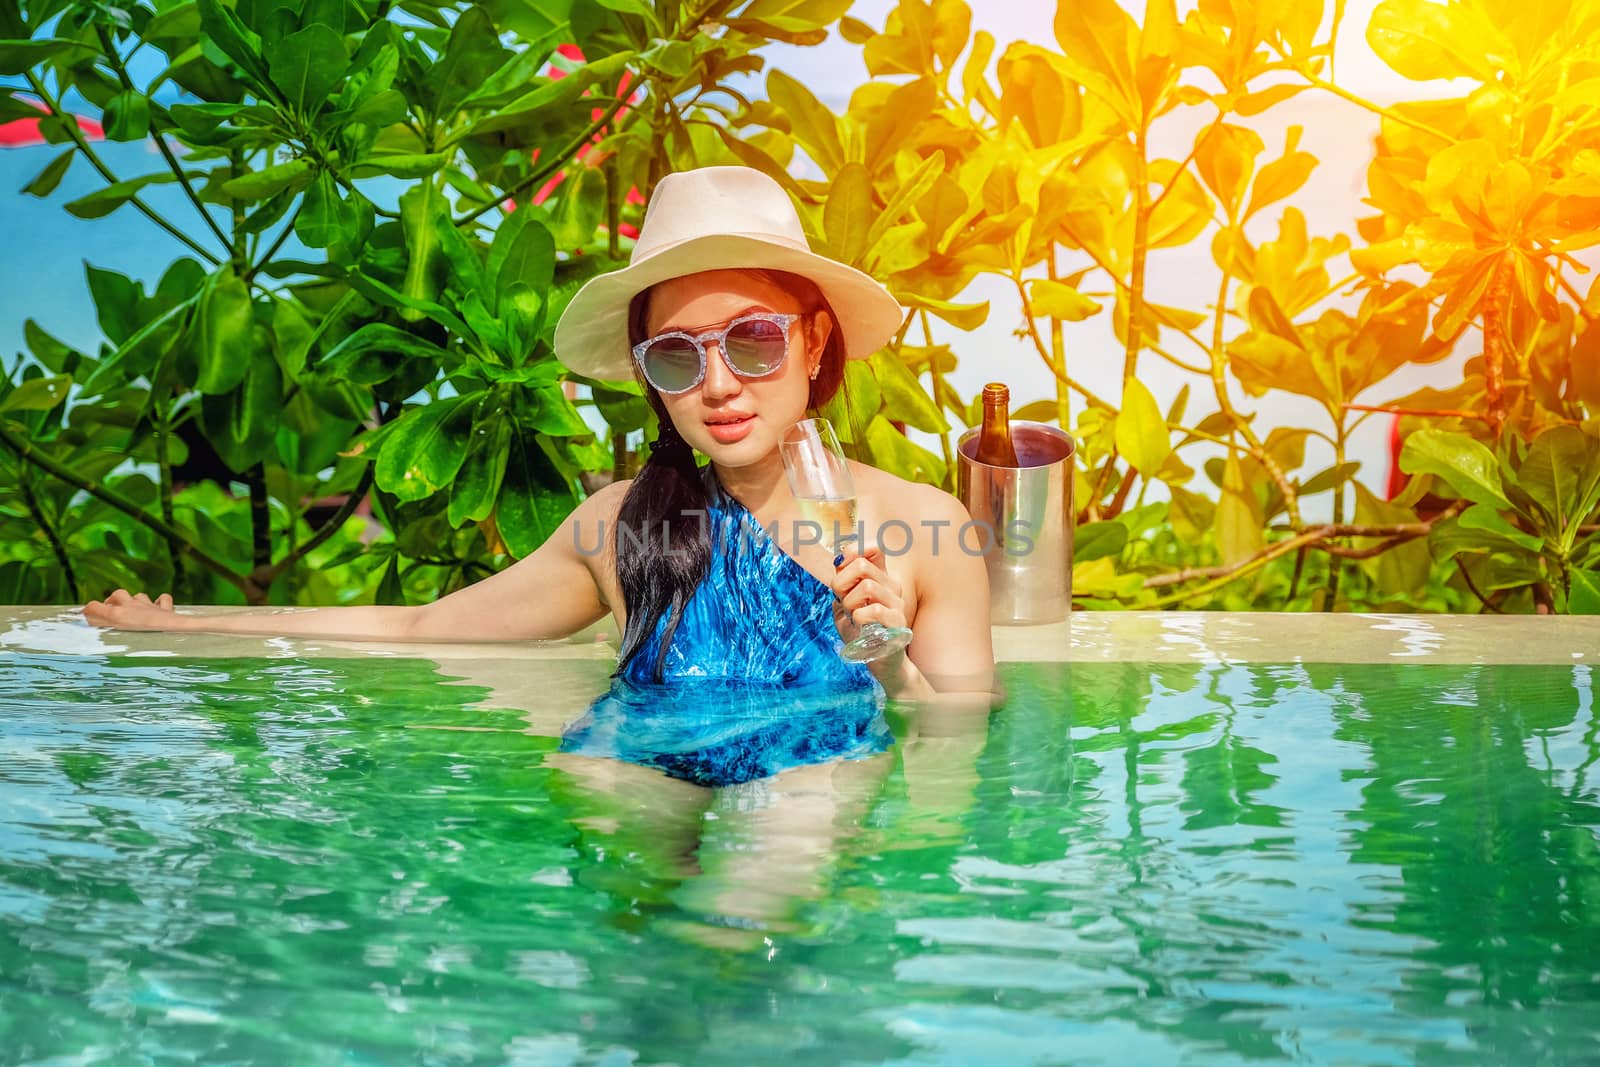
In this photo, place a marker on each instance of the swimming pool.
(1206, 839)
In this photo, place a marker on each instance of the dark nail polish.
(838, 559)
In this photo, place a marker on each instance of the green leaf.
(18, 57)
(127, 116)
(624, 409)
(103, 202)
(904, 398)
(549, 98)
(856, 402)
(421, 207)
(1450, 537)
(1561, 472)
(1329, 478)
(37, 394)
(307, 65)
(1492, 522)
(472, 54)
(418, 165)
(547, 409)
(1142, 436)
(1095, 540)
(476, 486)
(118, 302)
(325, 217)
(223, 28)
(241, 425)
(260, 184)
(223, 329)
(523, 251)
(534, 498)
(425, 449)
(374, 353)
(1584, 596)
(897, 454)
(1460, 461)
(45, 182)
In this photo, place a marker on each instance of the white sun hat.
(713, 218)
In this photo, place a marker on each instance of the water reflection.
(299, 861)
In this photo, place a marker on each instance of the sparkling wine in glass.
(825, 493)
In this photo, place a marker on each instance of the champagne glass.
(825, 493)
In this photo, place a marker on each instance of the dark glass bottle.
(994, 439)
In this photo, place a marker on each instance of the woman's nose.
(720, 379)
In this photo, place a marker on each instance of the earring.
(814, 371)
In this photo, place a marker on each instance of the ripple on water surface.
(386, 860)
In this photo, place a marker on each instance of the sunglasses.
(753, 346)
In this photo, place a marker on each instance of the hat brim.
(592, 334)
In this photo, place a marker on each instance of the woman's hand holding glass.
(866, 591)
(824, 491)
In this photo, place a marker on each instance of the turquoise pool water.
(382, 860)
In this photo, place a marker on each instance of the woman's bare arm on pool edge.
(549, 594)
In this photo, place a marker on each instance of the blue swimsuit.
(753, 682)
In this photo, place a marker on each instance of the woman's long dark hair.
(656, 581)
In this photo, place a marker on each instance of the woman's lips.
(729, 432)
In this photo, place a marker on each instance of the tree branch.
(557, 161)
(71, 126)
(174, 536)
(161, 142)
(325, 531)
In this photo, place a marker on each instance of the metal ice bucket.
(1029, 511)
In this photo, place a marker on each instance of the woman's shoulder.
(904, 499)
(604, 502)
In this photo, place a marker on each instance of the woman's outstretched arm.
(550, 594)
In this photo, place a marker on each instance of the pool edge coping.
(1099, 636)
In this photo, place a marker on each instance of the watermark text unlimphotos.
(894, 537)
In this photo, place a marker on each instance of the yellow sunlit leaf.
(961, 316)
(1238, 515)
(1056, 300)
(905, 108)
(972, 80)
(1142, 435)
(1423, 41)
(1465, 298)
(1283, 176)
(1226, 158)
(814, 126)
(906, 44)
(952, 21)
(848, 215)
(1037, 91)
(908, 190)
(1261, 100)
(1097, 43)
(1266, 314)
(1180, 318)
(1263, 361)
(1183, 212)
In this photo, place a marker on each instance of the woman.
(735, 328)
